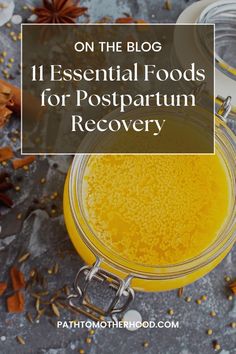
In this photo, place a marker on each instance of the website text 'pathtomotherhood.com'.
(119, 324)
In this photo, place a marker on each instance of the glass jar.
(222, 13)
(105, 263)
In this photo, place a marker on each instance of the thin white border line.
(112, 24)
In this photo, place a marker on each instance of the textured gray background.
(45, 238)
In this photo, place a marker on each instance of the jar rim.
(223, 14)
(225, 239)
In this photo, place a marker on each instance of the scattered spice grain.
(55, 310)
(24, 257)
(20, 340)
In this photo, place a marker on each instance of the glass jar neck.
(223, 15)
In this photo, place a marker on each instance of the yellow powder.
(156, 210)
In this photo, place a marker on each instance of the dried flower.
(59, 11)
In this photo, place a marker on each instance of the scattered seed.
(233, 324)
(20, 340)
(43, 180)
(26, 168)
(56, 268)
(59, 304)
(35, 295)
(24, 257)
(168, 5)
(227, 278)
(55, 310)
(53, 212)
(216, 345)
(145, 344)
(88, 340)
(81, 351)
(29, 317)
(32, 273)
(188, 299)
(50, 271)
(199, 301)
(66, 290)
(213, 314)
(91, 332)
(180, 292)
(19, 216)
(40, 313)
(171, 312)
(209, 332)
(204, 298)
(37, 303)
(17, 188)
(43, 293)
(54, 297)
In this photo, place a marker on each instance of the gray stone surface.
(47, 241)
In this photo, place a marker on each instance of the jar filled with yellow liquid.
(154, 222)
(151, 222)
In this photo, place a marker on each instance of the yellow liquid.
(156, 210)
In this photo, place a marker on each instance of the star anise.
(5, 185)
(59, 11)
